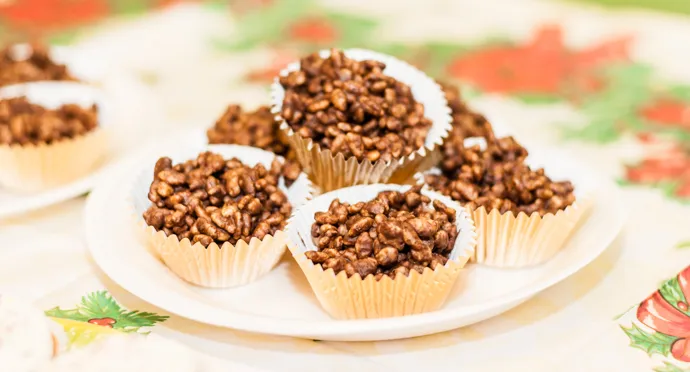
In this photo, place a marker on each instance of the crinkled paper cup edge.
(36, 167)
(217, 266)
(332, 171)
(510, 241)
(357, 298)
(33, 168)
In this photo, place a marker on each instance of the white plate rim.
(54, 196)
(326, 329)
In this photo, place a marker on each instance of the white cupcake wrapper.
(217, 266)
(36, 167)
(332, 171)
(356, 298)
(510, 241)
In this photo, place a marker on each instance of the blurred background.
(609, 76)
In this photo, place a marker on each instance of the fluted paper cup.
(332, 171)
(357, 298)
(507, 240)
(41, 166)
(217, 266)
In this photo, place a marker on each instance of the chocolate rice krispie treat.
(390, 235)
(36, 66)
(255, 128)
(466, 122)
(498, 178)
(24, 123)
(353, 108)
(210, 199)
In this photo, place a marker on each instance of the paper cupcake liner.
(217, 266)
(332, 171)
(36, 167)
(509, 241)
(357, 298)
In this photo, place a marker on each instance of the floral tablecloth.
(612, 85)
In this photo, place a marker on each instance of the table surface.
(609, 85)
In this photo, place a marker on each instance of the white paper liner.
(26, 340)
(354, 298)
(332, 171)
(36, 167)
(509, 241)
(217, 266)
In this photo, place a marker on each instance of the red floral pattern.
(656, 313)
(279, 61)
(668, 113)
(542, 66)
(313, 30)
(47, 15)
(665, 164)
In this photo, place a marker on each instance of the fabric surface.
(610, 85)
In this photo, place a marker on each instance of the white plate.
(282, 303)
(135, 107)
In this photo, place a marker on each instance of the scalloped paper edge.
(510, 241)
(38, 167)
(222, 266)
(217, 266)
(331, 171)
(357, 298)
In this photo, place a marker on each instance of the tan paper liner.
(217, 266)
(33, 168)
(332, 171)
(508, 241)
(357, 298)
(37, 167)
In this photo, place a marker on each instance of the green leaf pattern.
(669, 367)
(650, 343)
(672, 293)
(98, 305)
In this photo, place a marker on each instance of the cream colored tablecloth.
(569, 327)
